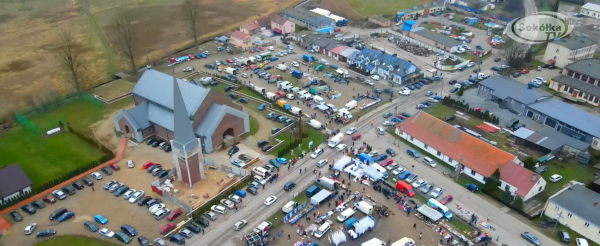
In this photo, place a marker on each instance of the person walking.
(421, 235)
(415, 226)
(289, 237)
(93, 188)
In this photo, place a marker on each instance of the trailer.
(272, 96)
(320, 197)
(230, 70)
(327, 183)
(364, 207)
(297, 74)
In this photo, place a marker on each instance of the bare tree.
(515, 55)
(192, 12)
(69, 55)
(125, 38)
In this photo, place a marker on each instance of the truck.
(374, 242)
(271, 96)
(281, 102)
(335, 140)
(252, 59)
(327, 183)
(318, 100)
(311, 191)
(282, 67)
(342, 72)
(349, 223)
(364, 207)
(263, 227)
(350, 105)
(296, 111)
(314, 124)
(308, 58)
(405, 241)
(281, 84)
(230, 70)
(297, 74)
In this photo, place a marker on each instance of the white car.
(295, 64)
(460, 50)
(271, 48)
(187, 69)
(398, 171)
(351, 131)
(130, 164)
(217, 63)
(244, 75)
(238, 225)
(156, 207)
(218, 209)
(388, 123)
(419, 183)
(322, 163)
(375, 77)
(227, 203)
(316, 153)
(97, 175)
(380, 130)
(106, 232)
(136, 196)
(290, 96)
(325, 62)
(555, 178)
(404, 92)
(30, 228)
(340, 147)
(270, 200)
(436, 192)
(128, 194)
(471, 64)
(260, 180)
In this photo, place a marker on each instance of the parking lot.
(87, 203)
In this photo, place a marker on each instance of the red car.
(167, 228)
(337, 30)
(229, 60)
(387, 162)
(251, 51)
(477, 52)
(49, 199)
(115, 167)
(402, 117)
(260, 48)
(148, 164)
(191, 57)
(524, 71)
(356, 136)
(174, 215)
(447, 199)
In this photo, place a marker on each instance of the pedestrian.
(497, 238)
(413, 167)
(329, 204)
(305, 169)
(415, 226)
(289, 237)
(235, 208)
(93, 188)
(202, 231)
(390, 242)
(421, 235)
(263, 187)
(300, 170)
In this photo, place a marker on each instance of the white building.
(576, 207)
(13, 183)
(591, 10)
(565, 51)
(475, 158)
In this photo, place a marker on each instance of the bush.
(486, 116)
(519, 203)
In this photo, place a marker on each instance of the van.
(288, 207)
(122, 237)
(322, 230)
(57, 213)
(129, 230)
(429, 161)
(260, 171)
(321, 163)
(346, 215)
(581, 242)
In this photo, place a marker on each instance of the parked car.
(69, 190)
(28, 209)
(16, 216)
(96, 175)
(45, 233)
(413, 153)
(473, 188)
(547, 223)
(174, 215)
(78, 185)
(91, 226)
(30, 228)
(106, 171)
(49, 199)
(59, 194)
(531, 238)
(202, 222)
(38, 205)
(447, 199)
(100, 219)
(106, 232)
(115, 166)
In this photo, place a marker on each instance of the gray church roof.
(138, 116)
(12, 179)
(185, 138)
(213, 117)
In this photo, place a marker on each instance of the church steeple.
(185, 138)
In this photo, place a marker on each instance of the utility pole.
(558, 220)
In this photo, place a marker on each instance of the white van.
(429, 161)
(322, 230)
(350, 105)
(288, 207)
(346, 214)
(260, 171)
(318, 100)
(156, 207)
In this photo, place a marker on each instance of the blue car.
(473, 188)
(421, 83)
(282, 160)
(417, 86)
(100, 219)
(379, 158)
(411, 87)
(240, 193)
(333, 66)
(262, 107)
(274, 163)
(306, 85)
(66, 216)
(404, 175)
(314, 82)
(274, 58)
(243, 100)
(413, 153)
(396, 119)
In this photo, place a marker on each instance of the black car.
(150, 141)
(106, 171)
(390, 152)
(178, 239)
(87, 181)
(289, 186)
(452, 82)
(388, 90)
(275, 130)
(476, 70)
(167, 148)
(450, 118)
(233, 150)
(91, 226)
(498, 59)
(228, 88)
(69, 190)
(45, 233)
(144, 200)
(129, 230)
(202, 222)
(28, 209)
(143, 241)
(214, 83)
(78, 185)
(516, 75)
(266, 148)
(267, 68)
(16, 216)
(193, 227)
(252, 190)
(150, 169)
(157, 143)
(233, 96)
(37, 204)
(152, 202)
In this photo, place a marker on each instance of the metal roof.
(569, 114)
(213, 117)
(574, 43)
(589, 67)
(158, 88)
(591, 6)
(522, 133)
(379, 18)
(161, 116)
(185, 138)
(504, 87)
(564, 139)
(308, 16)
(580, 201)
(139, 114)
(578, 84)
(436, 37)
(322, 42)
(12, 179)
(348, 52)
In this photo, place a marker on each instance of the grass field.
(79, 113)
(75, 240)
(382, 7)
(313, 135)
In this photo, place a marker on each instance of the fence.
(177, 202)
(29, 125)
(519, 211)
(91, 98)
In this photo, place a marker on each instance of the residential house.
(576, 207)
(542, 108)
(320, 44)
(264, 23)
(282, 26)
(387, 66)
(436, 39)
(591, 10)
(564, 51)
(14, 183)
(337, 50)
(242, 41)
(379, 20)
(327, 50)
(521, 181)
(424, 9)
(213, 116)
(308, 19)
(580, 81)
(347, 54)
(250, 28)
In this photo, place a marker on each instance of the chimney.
(596, 204)
(533, 177)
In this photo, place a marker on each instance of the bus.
(440, 207)
(265, 55)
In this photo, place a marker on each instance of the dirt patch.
(16, 66)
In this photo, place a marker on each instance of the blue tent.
(325, 30)
(408, 25)
(365, 158)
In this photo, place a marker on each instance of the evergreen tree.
(492, 182)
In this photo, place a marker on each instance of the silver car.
(110, 183)
(411, 178)
(114, 187)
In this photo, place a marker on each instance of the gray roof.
(580, 201)
(12, 179)
(185, 138)
(308, 16)
(569, 114)
(574, 43)
(322, 42)
(437, 37)
(421, 7)
(589, 67)
(138, 116)
(332, 46)
(348, 52)
(213, 117)
(158, 88)
(578, 84)
(564, 139)
(504, 87)
(161, 116)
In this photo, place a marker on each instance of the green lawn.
(366, 8)
(79, 113)
(553, 233)
(313, 135)
(570, 170)
(75, 240)
(253, 126)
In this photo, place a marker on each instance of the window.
(540, 189)
(596, 99)
(439, 153)
(484, 179)
(507, 187)
(586, 225)
(556, 208)
(569, 215)
(473, 172)
(577, 76)
(566, 88)
(592, 81)
(569, 72)
(570, 89)
(412, 138)
(450, 160)
(584, 78)
(425, 146)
